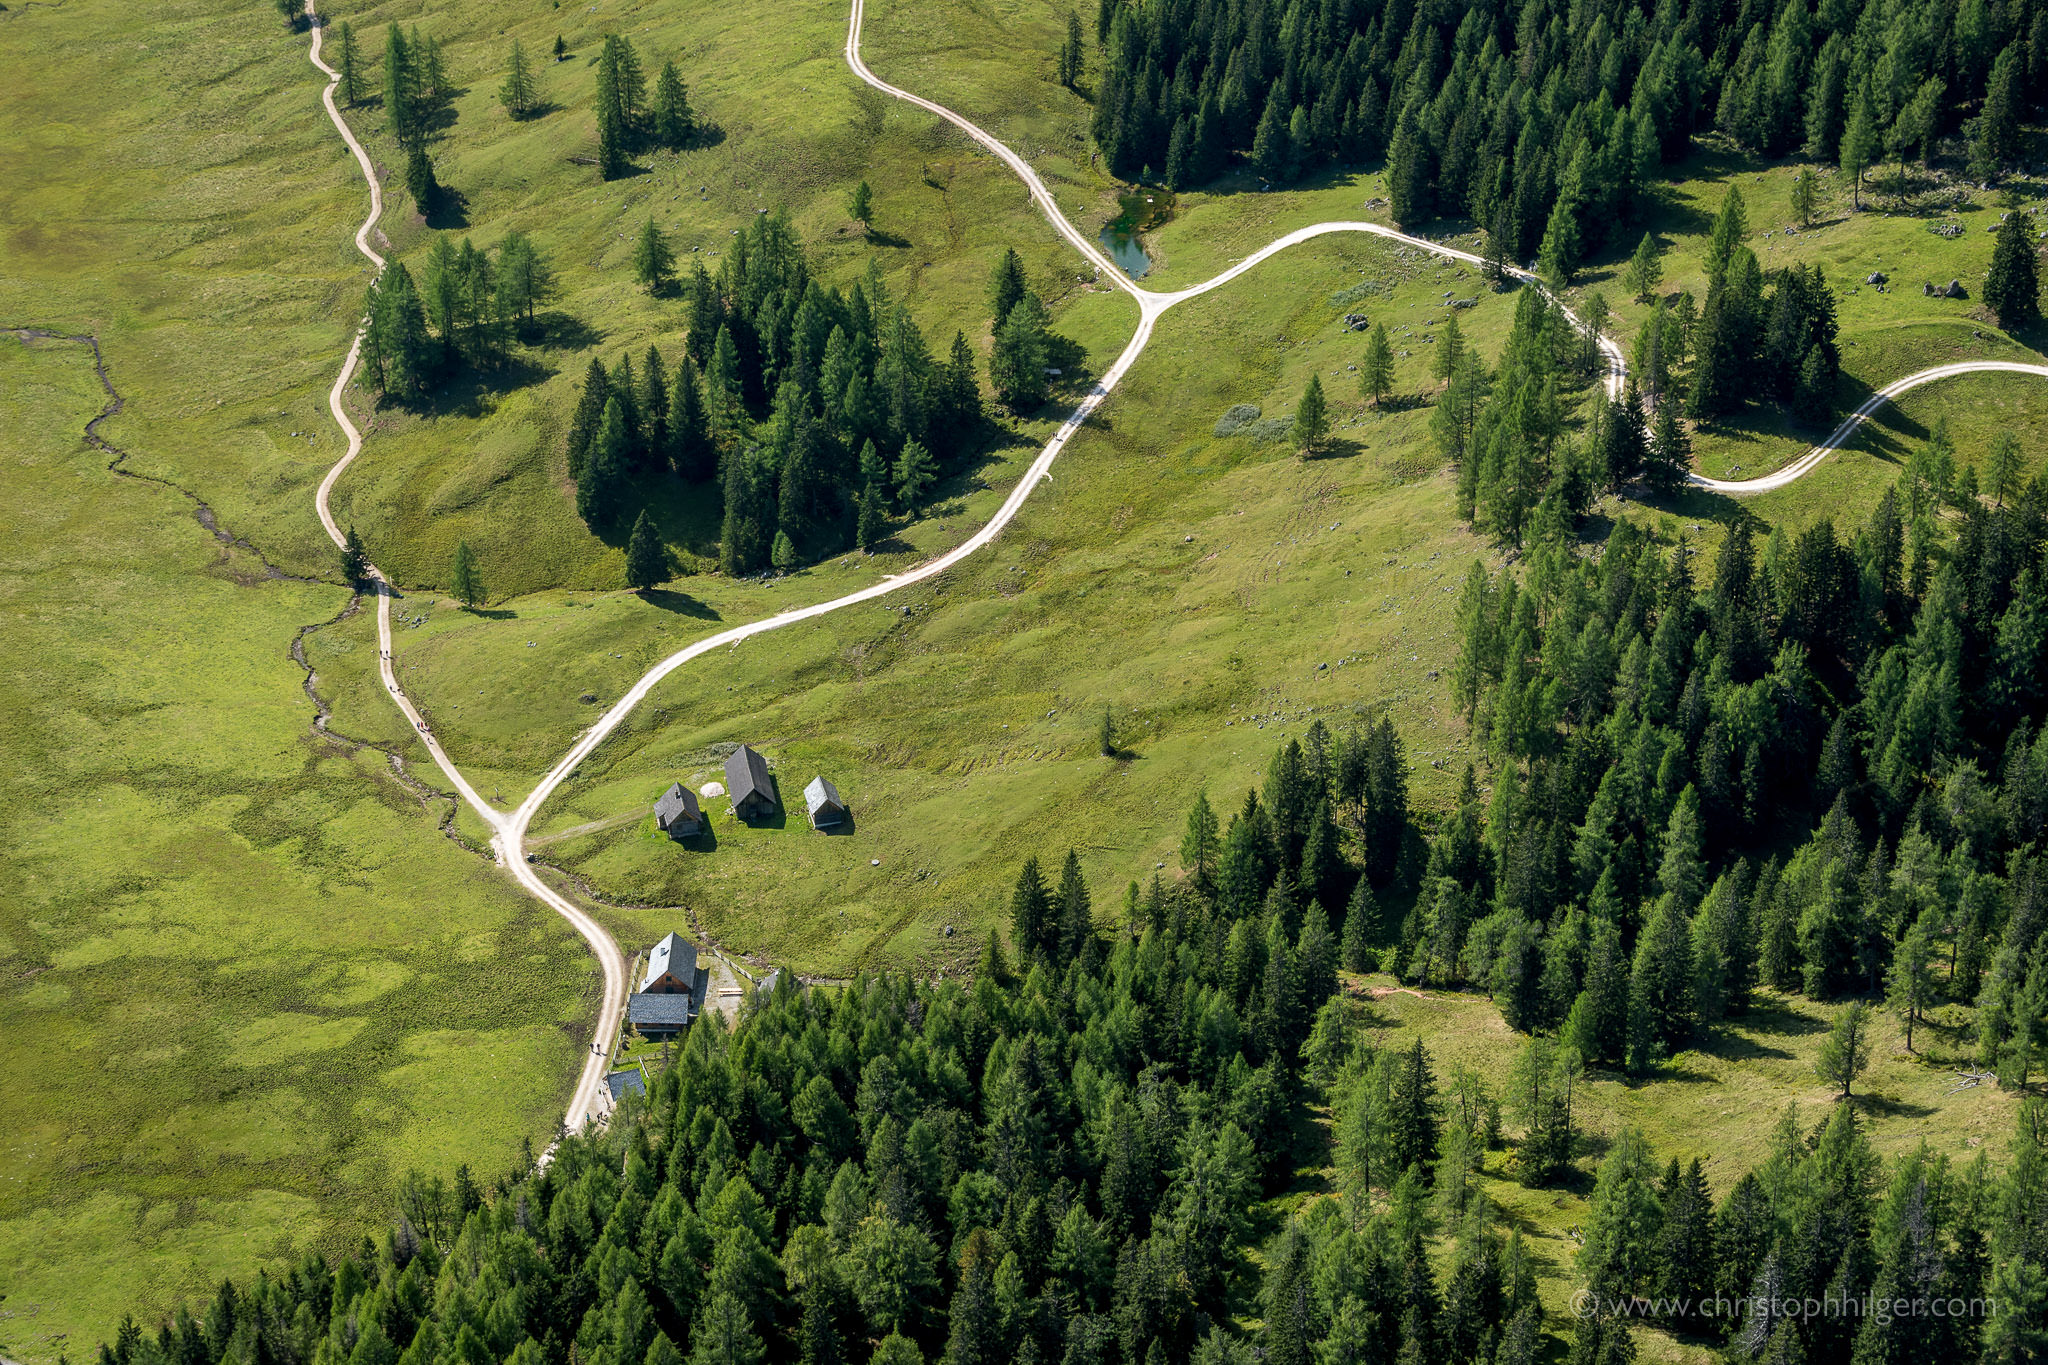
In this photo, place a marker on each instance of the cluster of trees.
(1546, 123)
(625, 121)
(1521, 471)
(465, 308)
(814, 415)
(1824, 1219)
(1629, 881)
(1779, 344)
(1021, 341)
(1058, 1162)
(416, 96)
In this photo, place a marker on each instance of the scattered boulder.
(1464, 303)
(1874, 277)
(1357, 322)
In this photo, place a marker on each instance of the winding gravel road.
(510, 828)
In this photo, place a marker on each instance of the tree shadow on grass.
(558, 331)
(680, 603)
(448, 212)
(471, 391)
(1890, 1107)
(1774, 1018)
(1731, 1046)
(494, 613)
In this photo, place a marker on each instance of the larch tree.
(1376, 371)
(400, 87)
(1804, 197)
(1311, 418)
(1006, 286)
(517, 93)
(1016, 364)
(1859, 148)
(2002, 469)
(1846, 1051)
(674, 123)
(646, 560)
(1450, 349)
(653, 261)
(860, 205)
(465, 581)
(355, 560)
(1070, 52)
(2012, 287)
(915, 471)
(1909, 985)
(420, 181)
(350, 84)
(1645, 270)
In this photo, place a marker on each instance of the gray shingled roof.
(677, 800)
(746, 774)
(673, 954)
(662, 1011)
(822, 794)
(623, 1083)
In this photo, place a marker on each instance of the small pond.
(1137, 213)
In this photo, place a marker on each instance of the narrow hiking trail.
(509, 838)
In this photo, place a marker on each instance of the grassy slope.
(244, 982)
(237, 284)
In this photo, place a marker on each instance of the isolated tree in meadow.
(1645, 271)
(1859, 148)
(2002, 469)
(2012, 287)
(350, 86)
(420, 181)
(1005, 286)
(1804, 196)
(646, 560)
(620, 87)
(401, 94)
(1070, 52)
(355, 560)
(517, 94)
(1846, 1051)
(523, 278)
(465, 582)
(1311, 418)
(653, 262)
(1376, 370)
(674, 123)
(561, 48)
(860, 205)
(291, 11)
(1105, 736)
(915, 471)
